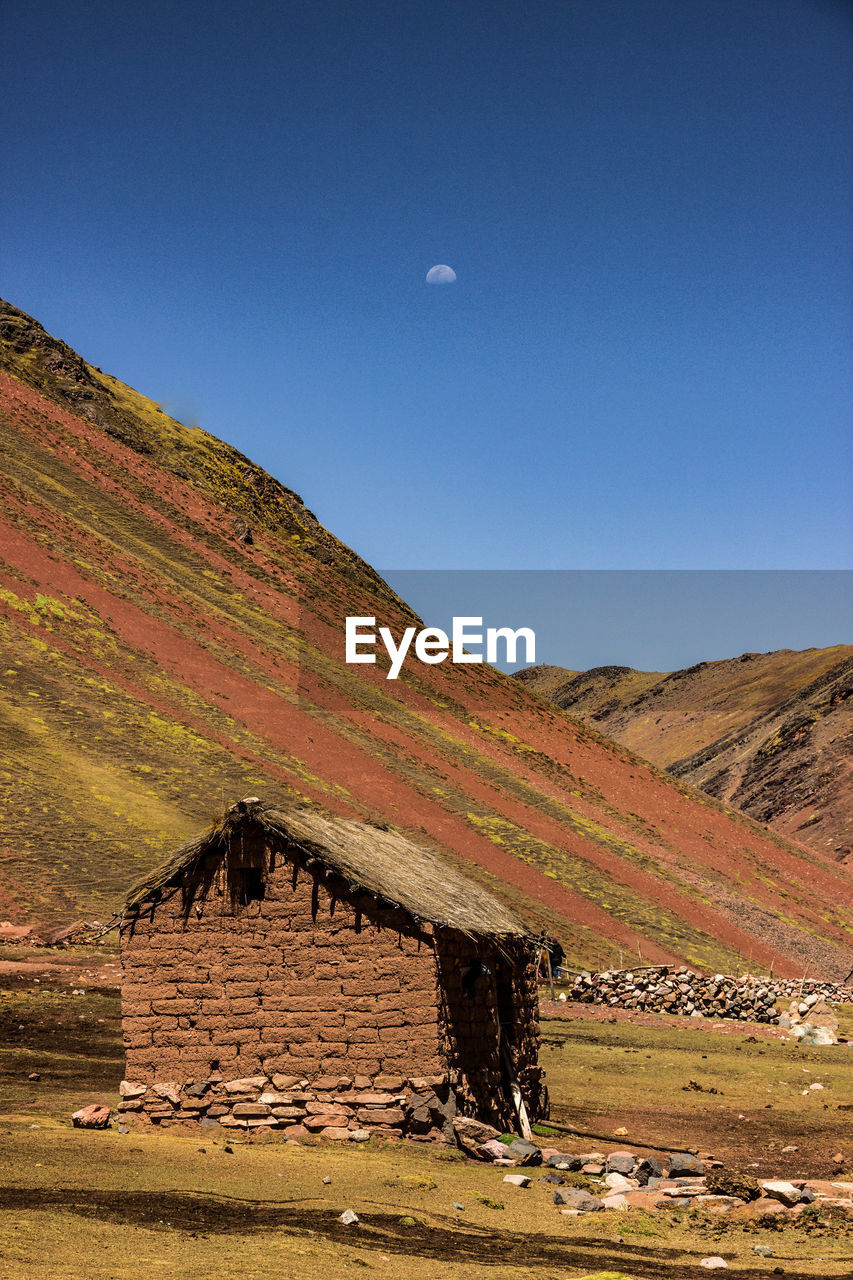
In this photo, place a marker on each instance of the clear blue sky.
(645, 360)
(650, 619)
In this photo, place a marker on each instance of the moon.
(440, 274)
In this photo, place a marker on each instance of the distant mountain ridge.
(770, 734)
(171, 638)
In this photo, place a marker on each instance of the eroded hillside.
(769, 733)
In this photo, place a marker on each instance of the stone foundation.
(340, 1107)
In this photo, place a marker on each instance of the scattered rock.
(471, 1134)
(714, 1264)
(91, 1117)
(517, 1179)
(648, 1168)
(621, 1162)
(785, 1192)
(558, 1161)
(348, 1218)
(525, 1152)
(575, 1198)
(494, 1149)
(763, 1250)
(618, 1182)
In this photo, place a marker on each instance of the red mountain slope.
(156, 664)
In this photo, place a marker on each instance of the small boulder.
(647, 1169)
(348, 1218)
(618, 1182)
(525, 1152)
(575, 1198)
(558, 1161)
(621, 1162)
(471, 1134)
(92, 1117)
(785, 1192)
(714, 1264)
(494, 1149)
(517, 1179)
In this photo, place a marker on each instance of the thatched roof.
(395, 871)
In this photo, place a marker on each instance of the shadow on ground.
(442, 1239)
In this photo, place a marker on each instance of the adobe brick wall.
(300, 983)
(505, 997)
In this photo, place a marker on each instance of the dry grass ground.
(78, 1205)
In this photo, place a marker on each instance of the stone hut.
(300, 972)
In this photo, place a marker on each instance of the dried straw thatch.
(393, 870)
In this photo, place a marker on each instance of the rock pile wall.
(665, 989)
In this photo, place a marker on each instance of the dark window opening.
(251, 885)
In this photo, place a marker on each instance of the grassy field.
(106, 1205)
